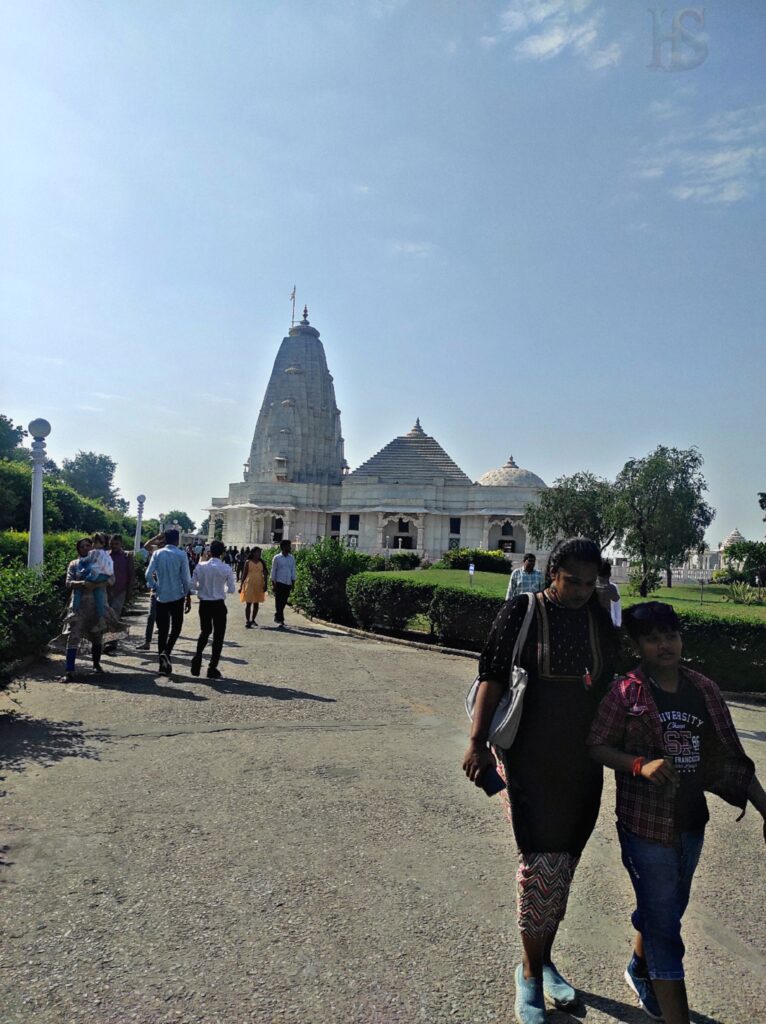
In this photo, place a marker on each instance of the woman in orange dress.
(252, 589)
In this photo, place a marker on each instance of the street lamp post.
(39, 429)
(139, 522)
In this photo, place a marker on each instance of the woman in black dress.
(554, 787)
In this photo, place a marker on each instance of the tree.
(660, 512)
(750, 556)
(93, 475)
(581, 505)
(11, 440)
(184, 521)
(762, 502)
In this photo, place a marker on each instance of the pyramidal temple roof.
(412, 458)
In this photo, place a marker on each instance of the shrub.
(461, 617)
(485, 561)
(323, 569)
(31, 607)
(742, 593)
(386, 602)
(14, 546)
(63, 507)
(404, 560)
(636, 577)
(727, 576)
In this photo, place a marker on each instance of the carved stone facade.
(410, 495)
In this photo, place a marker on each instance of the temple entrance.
(501, 537)
(400, 535)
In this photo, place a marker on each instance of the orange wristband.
(638, 764)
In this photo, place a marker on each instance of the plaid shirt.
(628, 720)
(522, 582)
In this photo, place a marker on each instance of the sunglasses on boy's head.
(653, 610)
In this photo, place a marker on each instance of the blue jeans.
(662, 879)
(99, 593)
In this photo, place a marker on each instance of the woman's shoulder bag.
(505, 721)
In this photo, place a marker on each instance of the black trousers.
(212, 619)
(281, 594)
(170, 618)
(152, 618)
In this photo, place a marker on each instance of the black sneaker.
(213, 673)
(196, 664)
(166, 666)
(640, 982)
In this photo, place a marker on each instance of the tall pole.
(39, 429)
(139, 523)
(292, 324)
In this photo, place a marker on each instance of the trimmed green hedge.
(14, 546)
(323, 569)
(484, 561)
(463, 618)
(31, 608)
(63, 507)
(732, 651)
(382, 601)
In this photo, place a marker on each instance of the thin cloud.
(105, 396)
(218, 399)
(551, 27)
(721, 161)
(410, 248)
(89, 408)
(49, 360)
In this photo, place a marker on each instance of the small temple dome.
(510, 475)
(734, 538)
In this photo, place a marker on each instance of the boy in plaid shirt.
(668, 734)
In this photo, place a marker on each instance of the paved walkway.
(297, 844)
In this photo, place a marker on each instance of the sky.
(539, 227)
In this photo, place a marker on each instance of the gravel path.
(297, 844)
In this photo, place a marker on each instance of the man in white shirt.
(212, 581)
(282, 578)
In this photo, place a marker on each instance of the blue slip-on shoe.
(530, 1003)
(641, 984)
(556, 989)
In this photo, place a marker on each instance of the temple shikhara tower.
(410, 495)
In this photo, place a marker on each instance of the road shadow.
(263, 690)
(321, 633)
(615, 1010)
(137, 681)
(25, 741)
(749, 734)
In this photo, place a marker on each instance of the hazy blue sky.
(502, 219)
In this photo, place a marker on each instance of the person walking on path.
(212, 581)
(609, 593)
(283, 577)
(124, 574)
(168, 576)
(526, 580)
(82, 617)
(668, 734)
(144, 554)
(252, 589)
(553, 790)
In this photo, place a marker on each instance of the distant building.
(410, 495)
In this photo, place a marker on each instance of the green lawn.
(494, 583)
(684, 597)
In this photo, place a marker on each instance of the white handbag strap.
(521, 639)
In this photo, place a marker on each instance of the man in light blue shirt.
(526, 580)
(168, 576)
(282, 579)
